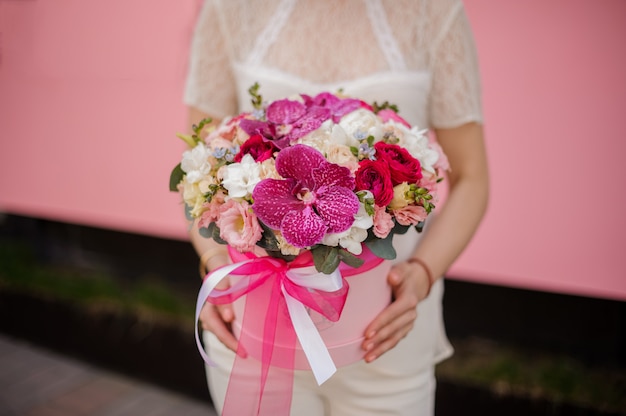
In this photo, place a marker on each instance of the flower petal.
(298, 162)
(285, 111)
(330, 174)
(309, 122)
(337, 207)
(303, 228)
(253, 127)
(273, 199)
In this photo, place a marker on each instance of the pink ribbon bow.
(278, 295)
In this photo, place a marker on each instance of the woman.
(417, 54)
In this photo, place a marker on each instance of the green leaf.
(325, 258)
(350, 259)
(268, 239)
(256, 98)
(175, 177)
(212, 231)
(188, 213)
(400, 229)
(206, 232)
(382, 248)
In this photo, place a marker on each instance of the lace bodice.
(418, 54)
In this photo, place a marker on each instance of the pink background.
(90, 100)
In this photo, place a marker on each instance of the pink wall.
(90, 99)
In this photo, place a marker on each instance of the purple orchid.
(316, 197)
(338, 107)
(287, 121)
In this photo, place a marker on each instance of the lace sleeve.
(456, 95)
(210, 85)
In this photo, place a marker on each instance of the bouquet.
(325, 175)
(321, 184)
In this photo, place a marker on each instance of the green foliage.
(175, 177)
(21, 272)
(384, 106)
(326, 259)
(349, 258)
(257, 99)
(268, 239)
(382, 247)
(212, 231)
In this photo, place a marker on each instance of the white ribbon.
(205, 290)
(312, 344)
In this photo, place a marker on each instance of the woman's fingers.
(212, 321)
(397, 319)
(218, 319)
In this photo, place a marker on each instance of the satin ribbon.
(293, 280)
(277, 288)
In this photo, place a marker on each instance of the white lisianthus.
(195, 163)
(241, 178)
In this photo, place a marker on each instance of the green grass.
(509, 370)
(20, 271)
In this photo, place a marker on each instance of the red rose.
(403, 166)
(257, 147)
(374, 176)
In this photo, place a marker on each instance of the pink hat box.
(368, 295)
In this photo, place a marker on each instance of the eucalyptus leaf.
(175, 177)
(325, 258)
(206, 232)
(350, 259)
(268, 239)
(188, 213)
(382, 248)
(214, 233)
(400, 229)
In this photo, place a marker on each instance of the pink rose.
(374, 176)
(403, 166)
(388, 114)
(383, 222)
(238, 225)
(410, 215)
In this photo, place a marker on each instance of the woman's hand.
(409, 284)
(218, 319)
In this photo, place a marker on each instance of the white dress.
(416, 54)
